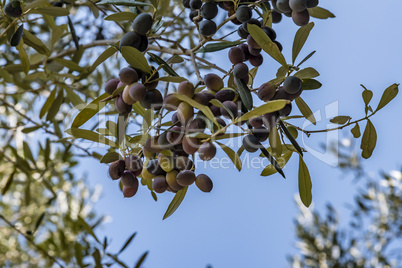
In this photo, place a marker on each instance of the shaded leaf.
(89, 111)
(127, 3)
(48, 103)
(121, 16)
(177, 199)
(300, 39)
(356, 131)
(34, 42)
(310, 84)
(141, 260)
(8, 183)
(204, 109)
(135, 58)
(367, 95)
(92, 136)
(55, 106)
(305, 110)
(52, 11)
(290, 137)
(128, 241)
(369, 140)
(39, 221)
(304, 183)
(273, 161)
(218, 46)
(172, 79)
(88, 228)
(232, 155)
(275, 141)
(388, 95)
(244, 94)
(341, 119)
(307, 73)
(23, 57)
(30, 129)
(110, 157)
(163, 64)
(104, 56)
(282, 161)
(306, 58)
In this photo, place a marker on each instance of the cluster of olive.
(203, 13)
(297, 9)
(137, 38)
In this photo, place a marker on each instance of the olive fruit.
(301, 18)
(153, 99)
(312, 3)
(207, 151)
(194, 16)
(201, 98)
(285, 111)
(151, 144)
(252, 43)
(185, 177)
(242, 32)
(207, 27)
(204, 183)
(185, 112)
(131, 39)
(213, 82)
(159, 185)
(137, 91)
(256, 60)
(186, 3)
(171, 180)
(175, 135)
(232, 107)
(13, 9)
(171, 102)
(126, 97)
(154, 168)
(251, 21)
(269, 120)
(209, 10)
(225, 95)
(298, 5)
(240, 71)
(111, 85)
(276, 16)
(292, 85)
(279, 45)
(143, 43)
(190, 145)
(184, 163)
(133, 163)
(260, 133)
(130, 191)
(128, 179)
(270, 32)
(266, 91)
(244, 48)
(186, 88)
(283, 5)
(128, 75)
(243, 13)
(255, 122)
(254, 51)
(196, 125)
(195, 4)
(122, 107)
(116, 169)
(142, 23)
(166, 162)
(251, 143)
(236, 55)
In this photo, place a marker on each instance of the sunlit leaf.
(268, 107)
(305, 110)
(304, 183)
(121, 16)
(320, 13)
(212, 47)
(177, 199)
(300, 39)
(232, 155)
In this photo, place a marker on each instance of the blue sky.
(247, 220)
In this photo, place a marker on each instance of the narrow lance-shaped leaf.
(232, 155)
(388, 95)
(320, 13)
(177, 199)
(310, 84)
(110, 157)
(89, 111)
(290, 137)
(104, 56)
(135, 58)
(141, 259)
(305, 110)
(266, 44)
(121, 16)
(304, 183)
(275, 142)
(55, 106)
(127, 3)
(245, 94)
(34, 42)
(282, 161)
(128, 241)
(23, 57)
(367, 95)
(163, 64)
(91, 136)
(306, 58)
(218, 46)
(273, 161)
(268, 107)
(300, 39)
(369, 140)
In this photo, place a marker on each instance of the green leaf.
(8, 183)
(273, 161)
(320, 13)
(305, 110)
(290, 137)
(23, 57)
(282, 161)
(232, 155)
(39, 221)
(310, 84)
(121, 16)
(275, 142)
(104, 56)
(34, 42)
(244, 93)
(47, 103)
(266, 44)
(128, 241)
(73, 98)
(340, 119)
(52, 11)
(6, 76)
(88, 228)
(141, 260)
(367, 95)
(30, 129)
(135, 58)
(172, 79)
(127, 3)
(177, 199)
(55, 106)
(204, 109)
(219, 104)
(97, 257)
(69, 64)
(89, 111)
(92, 136)
(16, 38)
(27, 152)
(163, 64)
(304, 183)
(369, 140)
(388, 95)
(268, 107)
(300, 39)
(218, 46)
(306, 58)
(110, 157)
(307, 73)
(57, 33)
(356, 131)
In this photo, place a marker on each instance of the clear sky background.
(247, 220)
